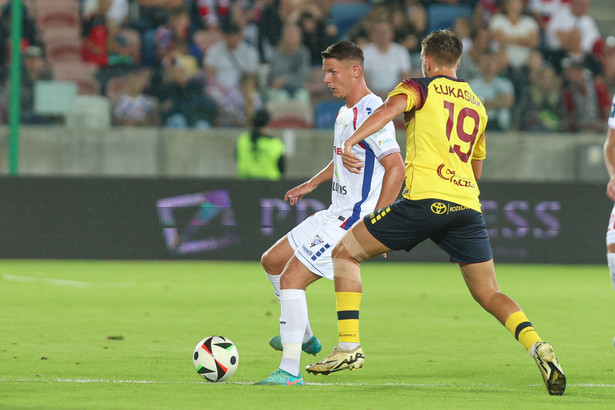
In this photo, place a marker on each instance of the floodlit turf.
(120, 335)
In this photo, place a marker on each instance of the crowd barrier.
(227, 219)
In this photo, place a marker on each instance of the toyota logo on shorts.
(438, 208)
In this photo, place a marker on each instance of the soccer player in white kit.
(609, 160)
(304, 254)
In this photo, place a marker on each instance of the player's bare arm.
(394, 175)
(392, 107)
(294, 195)
(609, 161)
(477, 168)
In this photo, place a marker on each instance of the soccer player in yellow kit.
(445, 146)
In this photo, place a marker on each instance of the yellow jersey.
(445, 130)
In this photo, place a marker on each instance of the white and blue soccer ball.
(215, 358)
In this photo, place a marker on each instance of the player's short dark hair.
(344, 50)
(444, 46)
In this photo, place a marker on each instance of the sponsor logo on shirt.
(450, 175)
(340, 189)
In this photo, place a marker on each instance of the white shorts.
(313, 241)
(610, 230)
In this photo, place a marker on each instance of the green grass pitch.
(120, 335)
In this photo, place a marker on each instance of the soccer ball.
(215, 358)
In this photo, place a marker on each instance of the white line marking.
(120, 381)
(64, 282)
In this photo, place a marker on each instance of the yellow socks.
(522, 329)
(347, 306)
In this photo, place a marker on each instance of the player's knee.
(269, 263)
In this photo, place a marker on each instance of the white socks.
(611, 260)
(293, 323)
(275, 282)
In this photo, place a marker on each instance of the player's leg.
(482, 283)
(610, 245)
(610, 248)
(357, 245)
(274, 261)
(293, 322)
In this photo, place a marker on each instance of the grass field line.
(123, 381)
(64, 282)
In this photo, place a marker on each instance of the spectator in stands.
(154, 13)
(94, 36)
(481, 44)
(118, 12)
(244, 15)
(151, 15)
(587, 99)
(540, 107)
(571, 32)
(405, 33)
(292, 9)
(269, 29)
(208, 13)
(484, 11)
(497, 93)
(178, 54)
(102, 43)
(259, 156)
(34, 68)
(386, 62)
(417, 15)
(543, 10)
(28, 36)
(182, 101)
(316, 35)
(360, 33)
(517, 35)
(134, 108)
(463, 27)
(607, 61)
(290, 66)
(176, 30)
(230, 67)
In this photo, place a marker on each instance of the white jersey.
(612, 116)
(355, 195)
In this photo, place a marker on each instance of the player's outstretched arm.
(392, 107)
(609, 161)
(294, 195)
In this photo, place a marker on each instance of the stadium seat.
(441, 16)
(83, 75)
(325, 113)
(63, 49)
(346, 15)
(57, 13)
(290, 114)
(51, 33)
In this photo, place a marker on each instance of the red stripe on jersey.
(354, 120)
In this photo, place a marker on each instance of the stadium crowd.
(538, 65)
